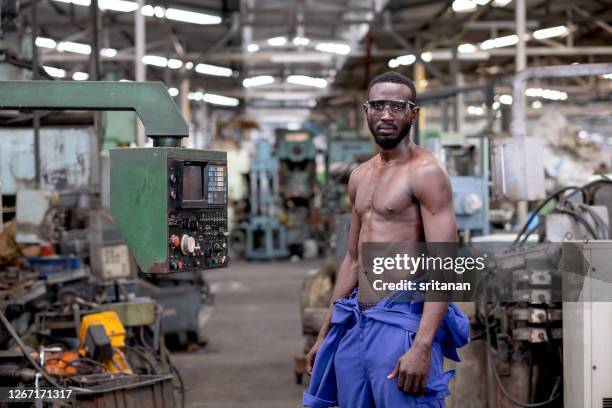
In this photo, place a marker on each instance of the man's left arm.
(431, 187)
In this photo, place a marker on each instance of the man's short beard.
(387, 143)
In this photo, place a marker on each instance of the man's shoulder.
(425, 164)
(359, 171)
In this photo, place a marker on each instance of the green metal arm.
(150, 100)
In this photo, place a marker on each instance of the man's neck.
(399, 153)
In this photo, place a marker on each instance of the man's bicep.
(435, 195)
(353, 237)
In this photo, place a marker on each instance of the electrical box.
(517, 169)
(170, 205)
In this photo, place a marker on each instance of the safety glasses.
(395, 106)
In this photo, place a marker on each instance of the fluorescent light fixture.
(118, 5)
(536, 104)
(334, 48)
(173, 91)
(607, 76)
(551, 32)
(499, 42)
(301, 41)
(80, 76)
(108, 52)
(189, 65)
(155, 60)
(505, 99)
(501, 3)
(495, 105)
(307, 81)
(463, 6)
(215, 70)
(221, 100)
(406, 59)
(300, 58)
(252, 48)
(393, 63)
(77, 48)
(258, 81)
(45, 42)
(77, 2)
(55, 72)
(174, 63)
(550, 94)
(466, 48)
(475, 110)
(195, 96)
(427, 56)
(147, 10)
(277, 41)
(159, 12)
(192, 17)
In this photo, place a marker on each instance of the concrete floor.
(254, 332)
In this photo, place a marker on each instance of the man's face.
(389, 127)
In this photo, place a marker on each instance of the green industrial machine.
(169, 203)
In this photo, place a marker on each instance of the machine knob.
(175, 241)
(172, 178)
(187, 244)
(173, 194)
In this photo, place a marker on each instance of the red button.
(180, 264)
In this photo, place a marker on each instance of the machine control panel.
(197, 216)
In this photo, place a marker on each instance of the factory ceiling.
(296, 51)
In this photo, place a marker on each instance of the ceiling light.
(505, 99)
(108, 52)
(536, 104)
(55, 72)
(501, 3)
(173, 91)
(159, 12)
(550, 32)
(300, 57)
(499, 42)
(195, 96)
(607, 76)
(192, 17)
(495, 105)
(466, 48)
(393, 63)
(215, 70)
(174, 63)
(406, 59)
(551, 94)
(335, 48)
(301, 41)
(45, 42)
(189, 65)
(80, 76)
(70, 46)
(307, 81)
(77, 2)
(427, 56)
(252, 48)
(155, 60)
(221, 100)
(258, 81)
(277, 41)
(463, 6)
(118, 5)
(475, 110)
(147, 10)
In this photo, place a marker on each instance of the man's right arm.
(348, 273)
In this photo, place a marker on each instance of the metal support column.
(139, 67)
(521, 64)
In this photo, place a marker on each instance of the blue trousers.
(362, 348)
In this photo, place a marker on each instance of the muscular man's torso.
(387, 208)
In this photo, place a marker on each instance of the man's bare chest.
(386, 192)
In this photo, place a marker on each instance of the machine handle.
(150, 100)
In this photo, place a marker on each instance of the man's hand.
(412, 369)
(310, 357)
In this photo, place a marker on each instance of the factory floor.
(253, 333)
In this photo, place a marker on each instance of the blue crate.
(49, 265)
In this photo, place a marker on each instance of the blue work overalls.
(362, 348)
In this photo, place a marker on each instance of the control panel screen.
(217, 184)
(193, 183)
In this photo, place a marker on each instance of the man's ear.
(365, 108)
(415, 114)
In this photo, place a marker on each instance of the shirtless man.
(400, 195)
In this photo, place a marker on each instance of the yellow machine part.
(116, 333)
